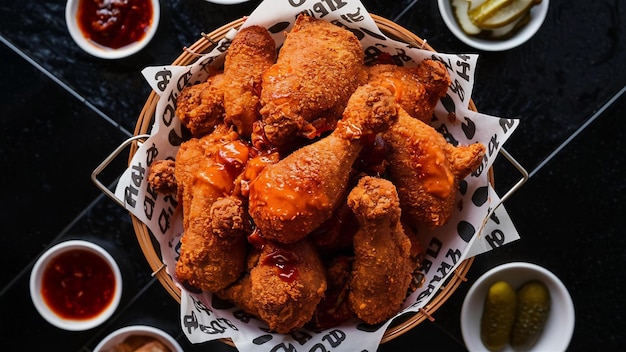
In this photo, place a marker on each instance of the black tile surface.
(554, 82)
(570, 215)
(62, 112)
(45, 132)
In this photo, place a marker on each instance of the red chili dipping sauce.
(114, 23)
(78, 284)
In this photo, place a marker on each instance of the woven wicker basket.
(150, 247)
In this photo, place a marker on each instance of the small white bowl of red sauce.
(138, 337)
(112, 29)
(76, 285)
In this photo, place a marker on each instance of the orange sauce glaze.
(285, 196)
(114, 23)
(435, 175)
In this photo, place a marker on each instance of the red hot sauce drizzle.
(114, 23)
(78, 285)
(285, 263)
(283, 260)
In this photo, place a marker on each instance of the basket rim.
(149, 245)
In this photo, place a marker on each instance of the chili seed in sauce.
(78, 285)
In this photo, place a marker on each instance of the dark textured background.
(62, 112)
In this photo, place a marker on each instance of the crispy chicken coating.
(161, 176)
(294, 196)
(213, 244)
(305, 92)
(251, 52)
(435, 78)
(200, 107)
(200, 171)
(213, 247)
(240, 292)
(287, 284)
(381, 272)
(426, 169)
(417, 89)
(333, 309)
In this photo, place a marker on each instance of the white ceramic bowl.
(104, 52)
(36, 278)
(559, 326)
(538, 14)
(118, 336)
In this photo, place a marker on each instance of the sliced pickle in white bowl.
(486, 10)
(461, 12)
(507, 14)
(511, 28)
(493, 39)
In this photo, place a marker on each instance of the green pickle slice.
(486, 10)
(508, 14)
(461, 13)
(498, 316)
(533, 307)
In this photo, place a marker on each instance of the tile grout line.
(52, 242)
(63, 85)
(570, 137)
(577, 132)
(405, 10)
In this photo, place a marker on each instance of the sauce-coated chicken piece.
(417, 89)
(287, 284)
(213, 244)
(382, 268)
(200, 167)
(251, 52)
(426, 169)
(293, 197)
(305, 92)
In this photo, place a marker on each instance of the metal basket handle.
(511, 190)
(519, 183)
(96, 172)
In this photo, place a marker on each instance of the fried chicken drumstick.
(251, 52)
(213, 245)
(296, 195)
(382, 268)
(426, 169)
(319, 66)
(201, 106)
(287, 284)
(283, 285)
(417, 89)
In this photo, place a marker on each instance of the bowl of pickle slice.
(493, 25)
(517, 306)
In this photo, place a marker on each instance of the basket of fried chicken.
(296, 186)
